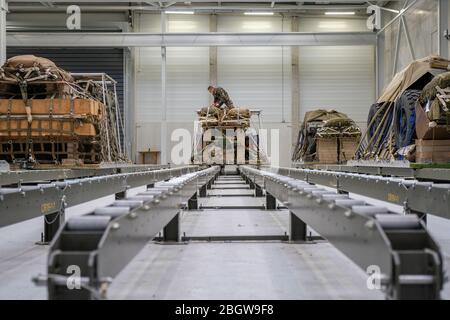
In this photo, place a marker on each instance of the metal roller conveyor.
(104, 241)
(88, 223)
(112, 211)
(422, 197)
(25, 202)
(398, 245)
(128, 203)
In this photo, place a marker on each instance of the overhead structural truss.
(396, 250)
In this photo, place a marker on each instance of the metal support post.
(52, 222)
(193, 202)
(172, 230)
(258, 191)
(271, 202)
(121, 195)
(297, 228)
(252, 184)
(203, 192)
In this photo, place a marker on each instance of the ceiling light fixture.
(339, 13)
(258, 13)
(178, 12)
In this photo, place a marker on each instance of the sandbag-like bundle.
(430, 90)
(23, 64)
(237, 113)
(211, 111)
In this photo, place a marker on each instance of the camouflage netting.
(235, 117)
(436, 108)
(322, 123)
(32, 68)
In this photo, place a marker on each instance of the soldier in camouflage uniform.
(221, 97)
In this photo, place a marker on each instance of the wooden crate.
(327, 150)
(347, 148)
(45, 107)
(12, 128)
(335, 149)
(432, 151)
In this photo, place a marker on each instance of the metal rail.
(27, 202)
(100, 244)
(28, 176)
(422, 197)
(406, 258)
(431, 174)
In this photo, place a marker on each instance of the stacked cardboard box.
(332, 150)
(432, 151)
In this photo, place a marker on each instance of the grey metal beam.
(414, 195)
(197, 7)
(196, 1)
(121, 40)
(27, 202)
(29, 176)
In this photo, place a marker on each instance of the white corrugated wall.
(255, 77)
(337, 77)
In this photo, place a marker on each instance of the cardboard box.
(432, 151)
(423, 129)
(327, 150)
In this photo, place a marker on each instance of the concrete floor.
(211, 270)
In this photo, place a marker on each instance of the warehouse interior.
(243, 149)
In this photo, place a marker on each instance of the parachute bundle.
(332, 128)
(393, 120)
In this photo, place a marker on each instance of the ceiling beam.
(121, 40)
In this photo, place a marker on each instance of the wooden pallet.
(50, 151)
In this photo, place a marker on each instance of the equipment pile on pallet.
(326, 136)
(235, 117)
(411, 119)
(51, 117)
(219, 137)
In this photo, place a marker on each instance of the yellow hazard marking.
(48, 207)
(392, 197)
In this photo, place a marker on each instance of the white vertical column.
(212, 55)
(443, 12)
(164, 146)
(295, 106)
(3, 10)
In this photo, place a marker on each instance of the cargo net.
(413, 106)
(50, 116)
(326, 136)
(219, 135)
(212, 116)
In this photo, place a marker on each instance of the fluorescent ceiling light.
(339, 13)
(258, 13)
(179, 12)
